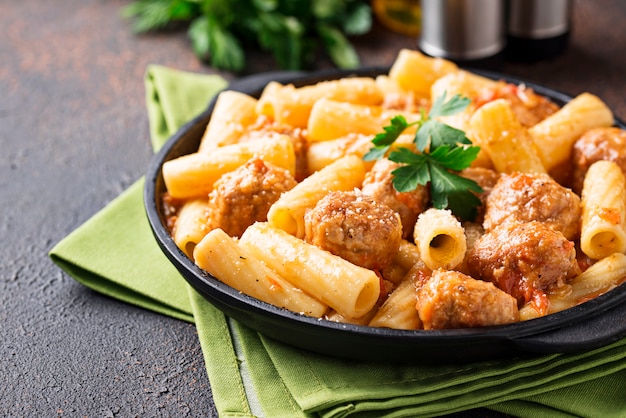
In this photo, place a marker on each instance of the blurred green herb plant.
(294, 31)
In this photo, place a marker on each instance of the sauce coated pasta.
(279, 202)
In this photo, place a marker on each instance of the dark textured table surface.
(74, 135)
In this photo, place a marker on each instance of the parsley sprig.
(294, 32)
(443, 150)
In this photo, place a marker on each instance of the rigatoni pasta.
(191, 225)
(555, 135)
(416, 72)
(603, 230)
(440, 239)
(232, 113)
(327, 129)
(317, 272)
(287, 213)
(222, 256)
(601, 277)
(496, 129)
(289, 105)
(194, 175)
(331, 119)
(398, 311)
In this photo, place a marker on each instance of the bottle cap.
(535, 19)
(462, 30)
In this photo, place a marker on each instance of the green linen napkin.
(252, 375)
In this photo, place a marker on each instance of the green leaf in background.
(293, 31)
(341, 52)
(213, 43)
(283, 36)
(358, 21)
(148, 14)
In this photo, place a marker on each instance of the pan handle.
(599, 330)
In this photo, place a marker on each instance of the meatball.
(244, 196)
(525, 260)
(378, 184)
(597, 144)
(450, 299)
(521, 197)
(355, 227)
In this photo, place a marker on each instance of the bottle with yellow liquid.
(401, 16)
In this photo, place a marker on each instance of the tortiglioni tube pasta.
(232, 113)
(555, 135)
(603, 230)
(495, 127)
(194, 175)
(289, 105)
(288, 212)
(440, 239)
(221, 256)
(191, 225)
(417, 72)
(398, 311)
(597, 279)
(327, 130)
(349, 289)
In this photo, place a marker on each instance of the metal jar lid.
(462, 29)
(538, 19)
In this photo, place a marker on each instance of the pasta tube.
(416, 72)
(596, 280)
(398, 311)
(331, 119)
(194, 174)
(465, 84)
(232, 113)
(555, 135)
(495, 128)
(603, 230)
(287, 213)
(191, 224)
(291, 106)
(321, 154)
(349, 289)
(220, 255)
(440, 239)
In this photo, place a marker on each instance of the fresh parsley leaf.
(433, 134)
(441, 107)
(449, 190)
(376, 153)
(442, 151)
(391, 132)
(383, 140)
(455, 158)
(407, 177)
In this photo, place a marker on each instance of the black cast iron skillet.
(590, 325)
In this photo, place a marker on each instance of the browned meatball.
(409, 205)
(525, 260)
(355, 227)
(450, 299)
(597, 144)
(520, 197)
(244, 196)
